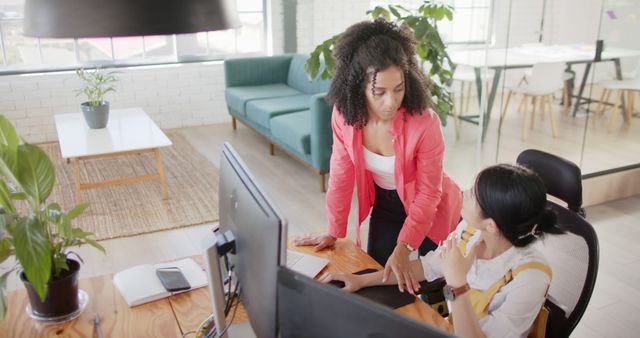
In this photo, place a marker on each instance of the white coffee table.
(129, 131)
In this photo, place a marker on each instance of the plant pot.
(96, 117)
(62, 293)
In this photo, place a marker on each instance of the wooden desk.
(192, 308)
(156, 319)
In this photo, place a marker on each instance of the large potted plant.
(431, 49)
(96, 83)
(37, 232)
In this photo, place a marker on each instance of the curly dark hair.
(361, 52)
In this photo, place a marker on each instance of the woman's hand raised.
(320, 242)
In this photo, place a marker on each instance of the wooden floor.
(295, 190)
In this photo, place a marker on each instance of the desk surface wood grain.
(153, 319)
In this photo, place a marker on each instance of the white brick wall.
(318, 20)
(174, 96)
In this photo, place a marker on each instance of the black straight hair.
(516, 199)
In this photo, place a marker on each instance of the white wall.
(318, 20)
(177, 96)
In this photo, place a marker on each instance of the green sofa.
(273, 96)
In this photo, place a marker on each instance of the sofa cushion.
(293, 130)
(237, 97)
(261, 111)
(298, 79)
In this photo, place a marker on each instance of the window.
(470, 22)
(20, 53)
(470, 19)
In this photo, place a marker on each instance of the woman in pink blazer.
(387, 142)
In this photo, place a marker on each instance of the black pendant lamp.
(105, 18)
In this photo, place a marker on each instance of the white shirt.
(381, 168)
(525, 293)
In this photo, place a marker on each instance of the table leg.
(616, 63)
(581, 90)
(76, 164)
(163, 182)
(491, 98)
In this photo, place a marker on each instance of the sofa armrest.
(321, 134)
(255, 71)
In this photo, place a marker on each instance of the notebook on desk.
(307, 265)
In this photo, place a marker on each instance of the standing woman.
(387, 142)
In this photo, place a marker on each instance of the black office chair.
(574, 258)
(562, 178)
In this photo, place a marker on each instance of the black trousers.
(387, 218)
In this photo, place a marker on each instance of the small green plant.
(431, 49)
(37, 233)
(97, 83)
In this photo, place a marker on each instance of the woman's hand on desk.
(352, 283)
(320, 242)
(399, 265)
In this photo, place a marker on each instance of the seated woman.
(497, 288)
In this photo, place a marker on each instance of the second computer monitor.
(309, 309)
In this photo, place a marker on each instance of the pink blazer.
(431, 199)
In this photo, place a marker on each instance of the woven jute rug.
(136, 208)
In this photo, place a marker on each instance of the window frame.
(175, 58)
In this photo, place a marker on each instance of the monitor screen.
(309, 309)
(260, 241)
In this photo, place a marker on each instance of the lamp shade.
(104, 18)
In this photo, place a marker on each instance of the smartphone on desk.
(172, 279)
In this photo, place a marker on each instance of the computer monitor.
(260, 245)
(310, 309)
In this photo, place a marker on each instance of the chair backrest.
(561, 177)
(546, 78)
(574, 258)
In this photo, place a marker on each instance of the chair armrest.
(321, 133)
(255, 71)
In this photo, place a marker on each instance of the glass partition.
(612, 138)
(541, 79)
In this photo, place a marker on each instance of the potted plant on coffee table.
(96, 83)
(37, 232)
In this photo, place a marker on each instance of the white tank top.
(382, 169)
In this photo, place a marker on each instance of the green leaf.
(5, 198)
(3, 299)
(33, 252)
(395, 12)
(96, 245)
(9, 143)
(19, 196)
(35, 172)
(77, 211)
(64, 227)
(312, 66)
(5, 247)
(379, 12)
(8, 136)
(79, 233)
(421, 29)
